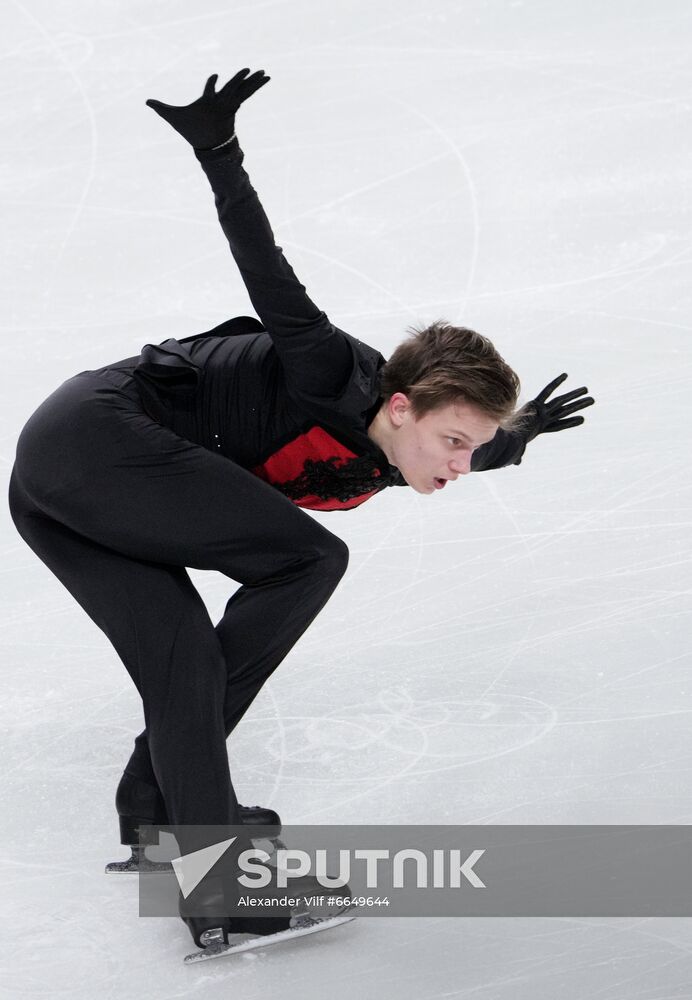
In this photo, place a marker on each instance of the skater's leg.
(159, 626)
(251, 651)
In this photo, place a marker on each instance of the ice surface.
(514, 649)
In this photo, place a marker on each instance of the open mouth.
(439, 483)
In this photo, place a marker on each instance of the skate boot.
(218, 934)
(141, 804)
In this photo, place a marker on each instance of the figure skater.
(206, 452)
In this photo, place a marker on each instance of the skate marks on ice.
(301, 925)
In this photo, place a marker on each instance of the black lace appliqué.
(326, 480)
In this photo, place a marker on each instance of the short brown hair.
(440, 364)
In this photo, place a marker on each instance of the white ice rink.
(515, 649)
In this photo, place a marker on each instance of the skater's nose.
(461, 463)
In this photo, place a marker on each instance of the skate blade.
(136, 864)
(139, 862)
(303, 925)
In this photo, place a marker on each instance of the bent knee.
(331, 552)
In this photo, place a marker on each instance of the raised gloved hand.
(210, 120)
(543, 416)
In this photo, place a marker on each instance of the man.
(201, 452)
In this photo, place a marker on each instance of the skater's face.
(435, 448)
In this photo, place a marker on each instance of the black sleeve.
(506, 448)
(315, 355)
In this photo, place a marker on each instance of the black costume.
(200, 453)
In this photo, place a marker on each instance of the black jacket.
(290, 396)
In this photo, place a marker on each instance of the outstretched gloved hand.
(544, 416)
(210, 120)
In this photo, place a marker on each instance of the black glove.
(210, 120)
(541, 416)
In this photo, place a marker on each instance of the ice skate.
(140, 804)
(318, 909)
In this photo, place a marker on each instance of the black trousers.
(117, 506)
